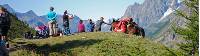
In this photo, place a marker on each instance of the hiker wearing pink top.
(81, 27)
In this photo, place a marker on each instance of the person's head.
(65, 12)
(134, 23)
(130, 19)
(90, 20)
(81, 21)
(51, 8)
(2, 10)
(101, 18)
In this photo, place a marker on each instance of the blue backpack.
(2, 43)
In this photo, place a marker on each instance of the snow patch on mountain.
(168, 12)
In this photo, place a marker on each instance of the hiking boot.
(55, 35)
(50, 36)
(7, 45)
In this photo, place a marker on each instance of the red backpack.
(121, 27)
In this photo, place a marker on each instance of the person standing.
(90, 26)
(51, 16)
(66, 23)
(5, 23)
(81, 26)
(99, 23)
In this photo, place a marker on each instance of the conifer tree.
(191, 32)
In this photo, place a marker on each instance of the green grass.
(92, 44)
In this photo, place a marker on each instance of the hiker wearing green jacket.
(51, 16)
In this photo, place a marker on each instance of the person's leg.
(6, 41)
(68, 30)
(99, 29)
(64, 30)
(50, 28)
(4, 51)
(1, 33)
(4, 36)
(54, 29)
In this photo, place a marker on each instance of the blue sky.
(83, 8)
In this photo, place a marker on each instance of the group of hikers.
(125, 25)
(51, 29)
(90, 26)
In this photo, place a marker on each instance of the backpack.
(121, 27)
(98, 23)
(4, 19)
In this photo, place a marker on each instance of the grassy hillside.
(91, 44)
(17, 28)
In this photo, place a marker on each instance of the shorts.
(98, 28)
(4, 30)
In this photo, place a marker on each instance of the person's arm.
(83, 27)
(55, 15)
(78, 27)
(87, 26)
(64, 19)
(106, 23)
(48, 16)
(93, 25)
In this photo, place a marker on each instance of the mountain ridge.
(150, 12)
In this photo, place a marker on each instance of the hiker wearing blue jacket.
(90, 26)
(51, 16)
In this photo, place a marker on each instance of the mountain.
(9, 8)
(167, 35)
(158, 18)
(17, 27)
(29, 17)
(150, 12)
